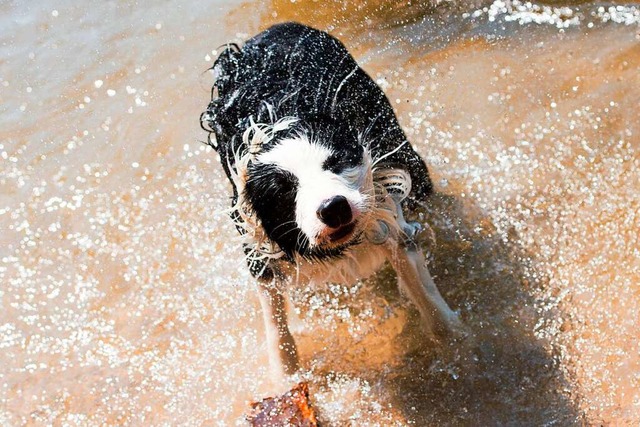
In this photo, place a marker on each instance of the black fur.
(294, 70)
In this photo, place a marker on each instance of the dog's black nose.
(335, 212)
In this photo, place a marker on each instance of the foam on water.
(125, 300)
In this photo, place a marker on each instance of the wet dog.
(321, 173)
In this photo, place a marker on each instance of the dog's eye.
(341, 161)
(267, 180)
(271, 192)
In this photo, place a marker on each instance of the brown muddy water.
(124, 299)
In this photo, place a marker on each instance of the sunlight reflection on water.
(125, 299)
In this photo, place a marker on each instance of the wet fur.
(293, 83)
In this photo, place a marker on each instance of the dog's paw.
(461, 333)
(452, 330)
(412, 229)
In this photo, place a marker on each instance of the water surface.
(124, 297)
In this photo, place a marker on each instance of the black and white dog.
(321, 172)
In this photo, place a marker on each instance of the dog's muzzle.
(336, 214)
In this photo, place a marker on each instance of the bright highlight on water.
(123, 298)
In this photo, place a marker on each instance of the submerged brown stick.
(290, 409)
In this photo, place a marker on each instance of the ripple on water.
(125, 299)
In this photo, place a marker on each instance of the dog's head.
(309, 185)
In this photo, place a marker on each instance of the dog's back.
(293, 70)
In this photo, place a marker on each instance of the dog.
(322, 175)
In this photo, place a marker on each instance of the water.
(124, 298)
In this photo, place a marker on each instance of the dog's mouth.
(342, 233)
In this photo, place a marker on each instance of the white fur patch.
(304, 159)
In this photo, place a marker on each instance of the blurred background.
(124, 299)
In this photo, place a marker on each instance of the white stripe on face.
(304, 160)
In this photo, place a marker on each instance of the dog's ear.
(258, 267)
(226, 68)
(408, 159)
(215, 119)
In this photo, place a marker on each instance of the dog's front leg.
(283, 355)
(416, 282)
